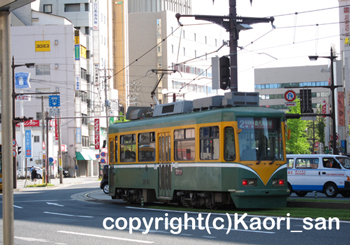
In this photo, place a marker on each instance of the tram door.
(164, 168)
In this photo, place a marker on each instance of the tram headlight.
(249, 182)
(278, 182)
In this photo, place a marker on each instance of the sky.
(313, 30)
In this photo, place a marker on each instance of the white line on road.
(107, 237)
(69, 215)
(56, 204)
(17, 206)
(30, 239)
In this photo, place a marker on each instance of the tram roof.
(199, 117)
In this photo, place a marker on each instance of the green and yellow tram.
(206, 158)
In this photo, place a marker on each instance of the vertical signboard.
(95, 15)
(28, 143)
(77, 84)
(97, 134)
(341, 109)
(78, 136)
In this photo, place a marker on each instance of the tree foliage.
(297, 144)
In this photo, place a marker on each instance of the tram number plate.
(146, 181)
(178, 171)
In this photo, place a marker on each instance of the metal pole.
(333, 106)
(233, 47)
(106, 86)
(47, 148)
(43, 136)
(13, 122)
(59, 158)
(6, 136)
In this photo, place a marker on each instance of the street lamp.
(14, 121)
(332, 87)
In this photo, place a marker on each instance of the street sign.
(22, 80)
(290, 95)
(14, 142)
(54, 101)
(290, 104)
(54, 111)
(28, 143)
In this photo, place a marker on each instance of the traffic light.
(305, 101)
(224, 72)
(19, 150)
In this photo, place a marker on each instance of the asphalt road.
(68, 216)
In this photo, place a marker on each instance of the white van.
(329, 174)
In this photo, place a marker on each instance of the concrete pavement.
(97, 194)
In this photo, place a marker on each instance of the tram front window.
(260, 139)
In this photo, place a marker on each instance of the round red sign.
(290, 95)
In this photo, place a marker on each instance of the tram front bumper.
(265, 192)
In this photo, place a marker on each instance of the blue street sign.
(22, 80)
(50, 159)
(28, 143)
(54, 101)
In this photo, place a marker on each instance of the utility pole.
(233, 24)
(43, 137)
(107, 118)
(59, 157)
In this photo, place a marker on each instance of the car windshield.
(345, 161)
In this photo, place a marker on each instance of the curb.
(325, 205)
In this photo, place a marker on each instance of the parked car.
(21, 172)
(104, 182)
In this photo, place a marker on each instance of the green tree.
(297, 144)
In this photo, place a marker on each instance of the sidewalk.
(56, 182)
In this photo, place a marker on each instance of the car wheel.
(331, 190)
(345, 193)
(301, 193)
(38, 176)
(106, 189)
(290, 189)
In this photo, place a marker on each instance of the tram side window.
(128, 148)
(116, 149)
(184, 144)
(209, 143)
(230, 150)
(111, 151)
(147, 147)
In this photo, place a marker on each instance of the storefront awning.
(84, 156)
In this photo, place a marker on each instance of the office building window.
(86, 7)
(36, 138)
(47, 8)
(72, 7)
(42, 70)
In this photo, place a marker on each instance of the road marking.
(69, 215)
(30, 239)
(17, 206)
(211, 237)
(107, 237)
(56, 204)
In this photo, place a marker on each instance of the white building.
(76, 64)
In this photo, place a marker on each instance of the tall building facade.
(172, 62)
(272, 83)
(79, 64)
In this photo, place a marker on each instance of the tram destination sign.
(255, 123)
